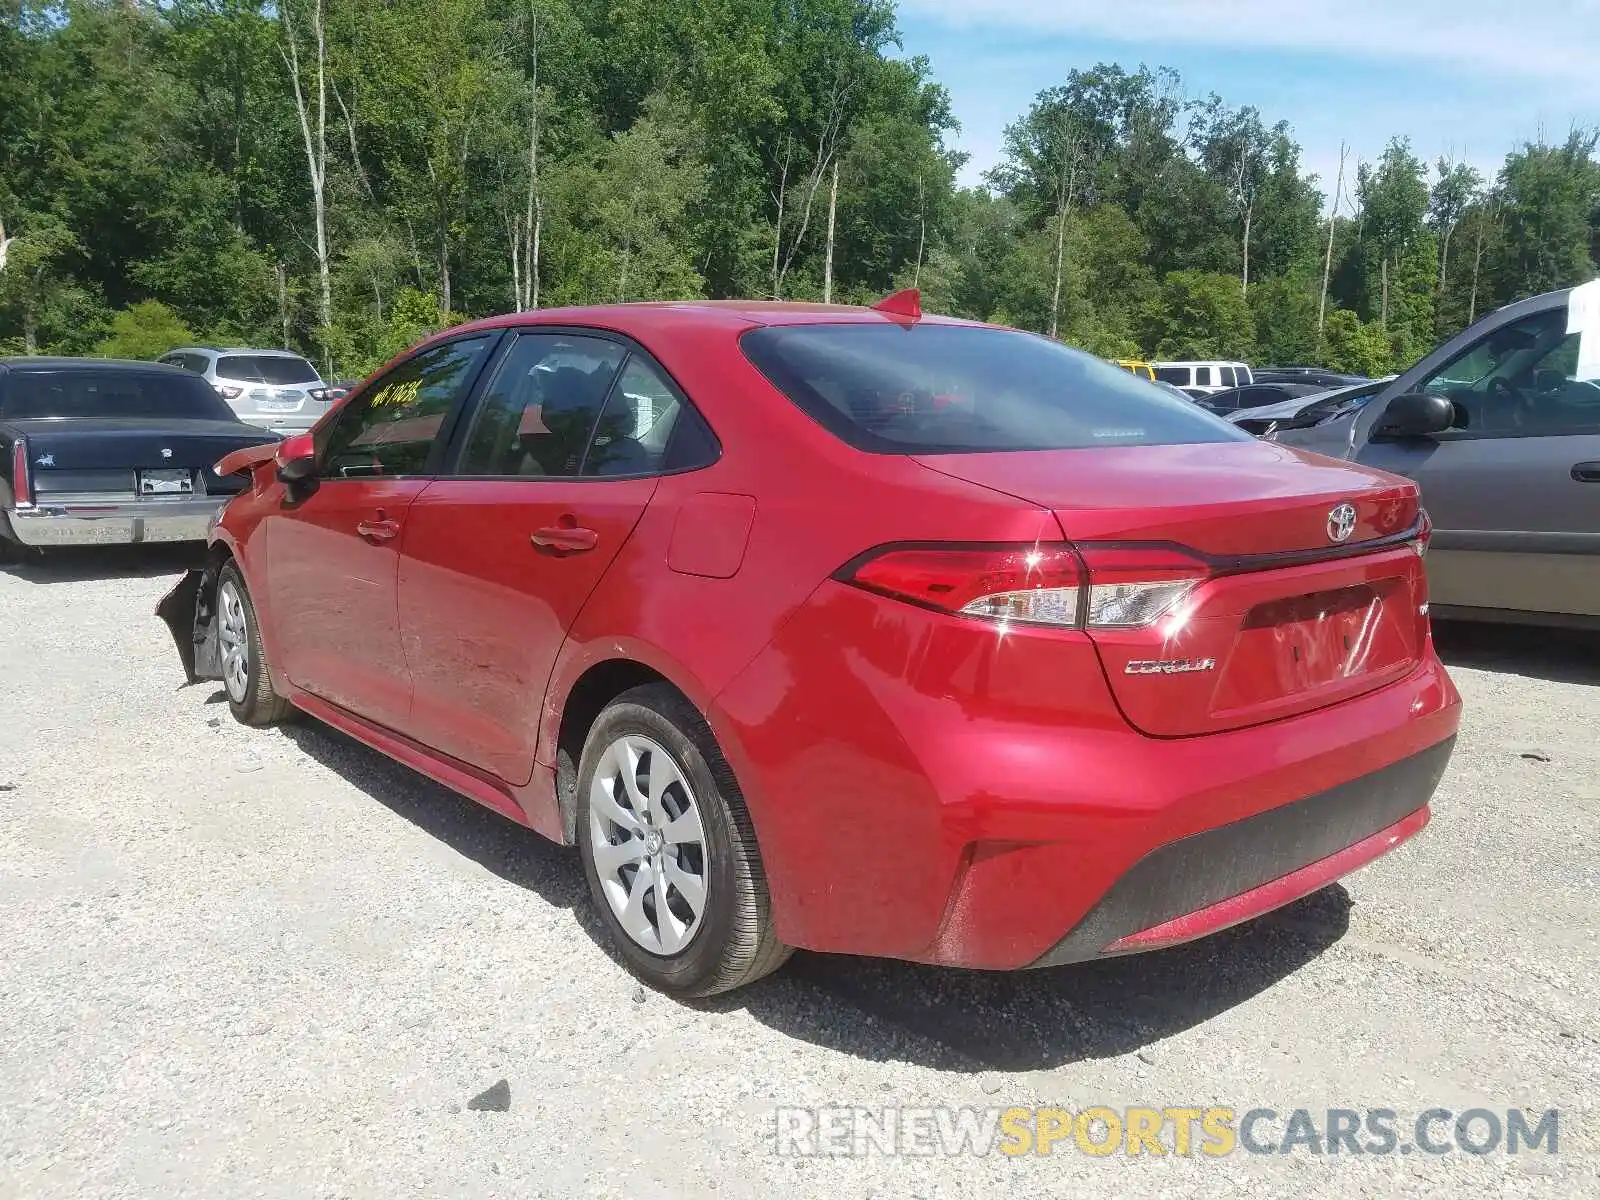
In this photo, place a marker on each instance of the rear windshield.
(266, 368)
(86, 392)
(951, 389)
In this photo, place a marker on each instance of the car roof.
(45, 363)
(235, 350)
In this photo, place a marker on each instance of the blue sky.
(1466, 78)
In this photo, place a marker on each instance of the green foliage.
(680, 148)
(1201, 315)
(147, 329)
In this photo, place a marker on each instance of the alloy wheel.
(234, 636)
(648, 844)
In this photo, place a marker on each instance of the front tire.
(244, 661)
(669, 850)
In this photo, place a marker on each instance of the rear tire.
(669, 850)
(244, 660)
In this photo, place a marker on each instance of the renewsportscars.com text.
(1213, 1131)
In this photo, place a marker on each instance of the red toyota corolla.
(846, 629)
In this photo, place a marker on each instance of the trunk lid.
(1283, 617)
(93, 455)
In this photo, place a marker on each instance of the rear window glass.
(950, 389)
(266, 368)
(101, 393)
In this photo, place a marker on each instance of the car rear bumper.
(931, 789)
(285, 423)
(89, 523)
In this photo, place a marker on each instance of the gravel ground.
(242, 962)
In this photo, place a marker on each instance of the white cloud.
(1554, 43)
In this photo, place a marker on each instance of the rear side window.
(950, 389)
(1228, 379)
(1177, 376)
(266, 368)
(90, 392)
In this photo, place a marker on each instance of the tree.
(1548, 196)
(145, 330)
(1200, 315)
(1458, 188)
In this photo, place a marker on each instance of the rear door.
(333, 557)
(555, 467)
(1514, 489)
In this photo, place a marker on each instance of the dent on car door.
(1513, 487)
(555, 468)
(333, 550)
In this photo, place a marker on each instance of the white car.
(275, 389)
(1212, 376)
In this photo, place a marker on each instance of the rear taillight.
(228, 392)
(21, 484)
(1424, 535)
(1048, 584)
(1134, 586)
(1039, 585)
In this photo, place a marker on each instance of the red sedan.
(846, 629)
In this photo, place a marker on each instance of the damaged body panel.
(189, 611)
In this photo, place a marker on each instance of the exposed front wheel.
(244, 661)
(669, 850)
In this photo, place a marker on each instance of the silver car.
(275, 389)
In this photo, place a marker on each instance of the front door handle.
(571, 538)
(381, 530)
(1586, 472)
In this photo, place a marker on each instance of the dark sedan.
(1256, 395)
(98, 451)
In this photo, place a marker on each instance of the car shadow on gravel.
(498, 844)
(881, 1010)
(1555, 655)
(1035, 1020)
(80, 564)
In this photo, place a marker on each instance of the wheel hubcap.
(233, 636)
(648, 844)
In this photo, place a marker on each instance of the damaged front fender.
(189, 611)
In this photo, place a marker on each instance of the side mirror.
(1415, 415)
(297, 459)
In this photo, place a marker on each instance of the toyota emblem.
(1341, 522)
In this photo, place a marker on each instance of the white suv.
(276, 389)
(1206, 377)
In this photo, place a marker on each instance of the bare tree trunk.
(777, 237)
(827, 260)
(1065, 186)
(514, 246)
(827, 150)
(1327, 262)
(533, 213)
(30, 332)
(1249, 216)
(922, 233)
(622, 280)
(1383, 308)
(1477, 264)
(283, 301)
(316, 144)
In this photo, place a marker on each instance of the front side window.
(390, 428)
(1521, 379)
(938, 389)
(540, 410)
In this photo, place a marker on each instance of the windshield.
(950, 389)
(92, 392)
(266, 368)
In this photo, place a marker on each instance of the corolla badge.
(1169, 666)
(1341, 522)
(45, 460)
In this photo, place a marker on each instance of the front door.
(1514, 488)
(334, 555)
(555, 469)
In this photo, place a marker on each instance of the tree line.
(345, 176)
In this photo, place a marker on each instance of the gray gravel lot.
(238, 962)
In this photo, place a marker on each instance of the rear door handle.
(1586, 472)
(378, 531)
(565, 537)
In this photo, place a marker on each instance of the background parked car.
(1302, 412)
(1256, 395)
(1135, 366)
(1205, 376)
(276, 389)
(1501, 427)
(94, 451)
(1313, 375)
